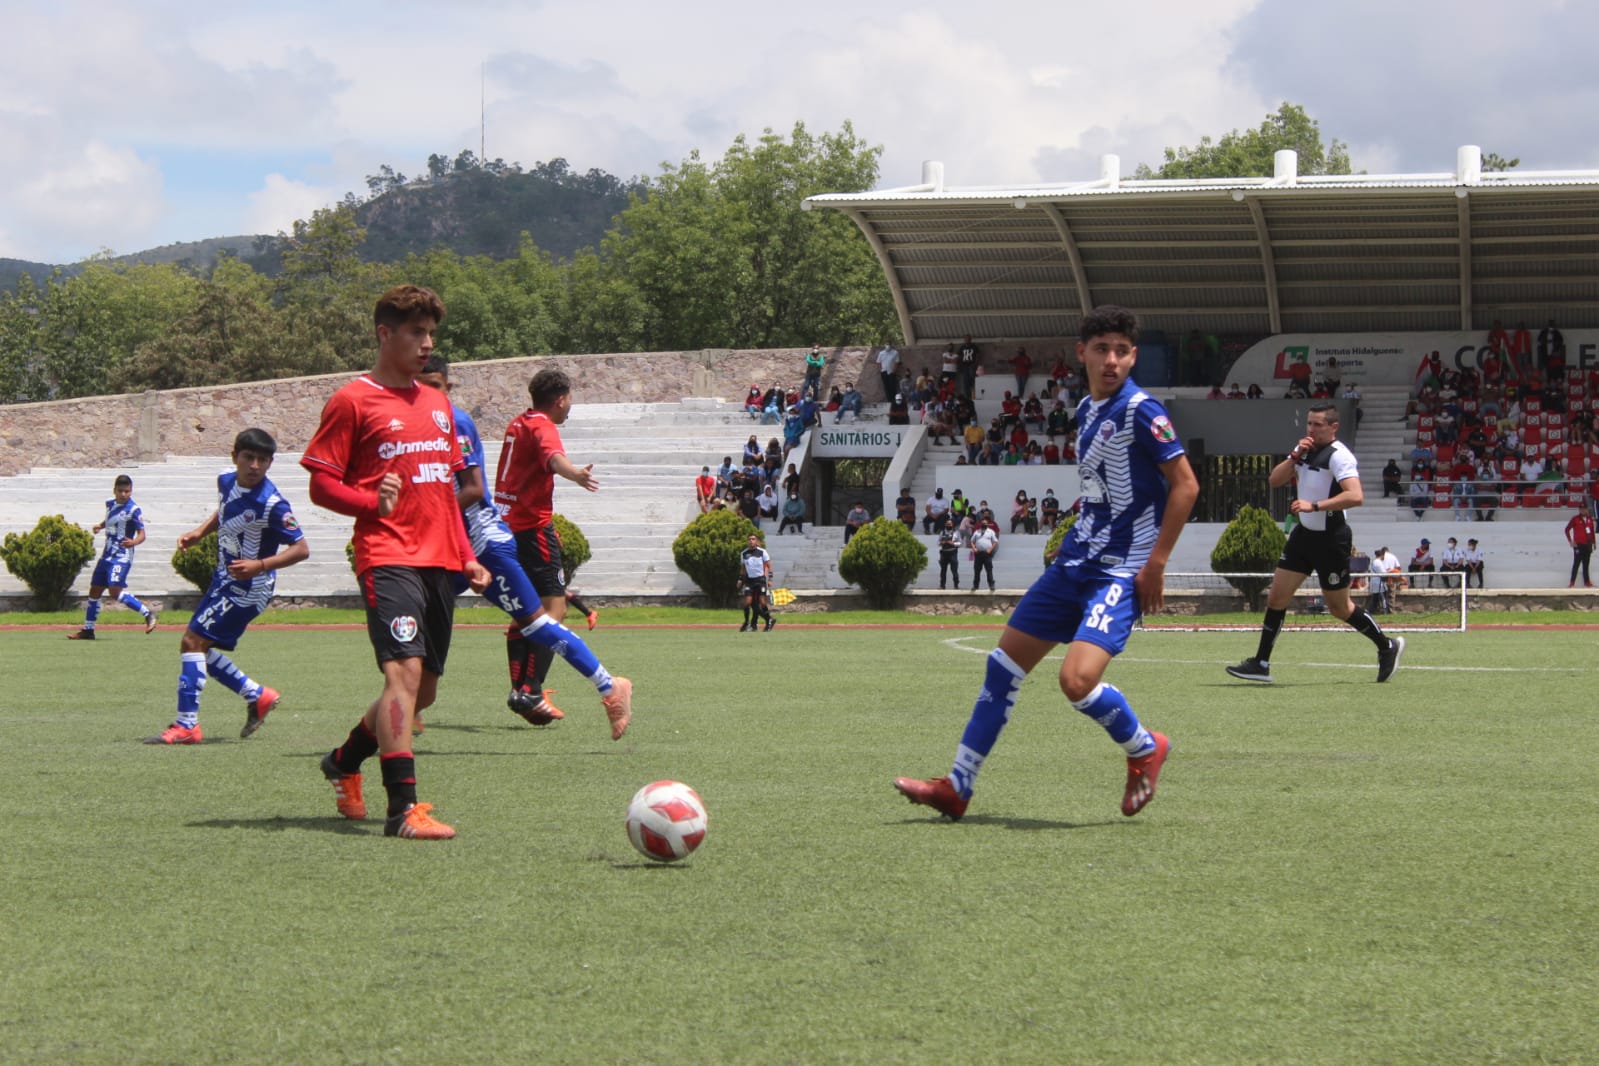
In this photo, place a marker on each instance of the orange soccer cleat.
(346, 789)
(417, 823)
(1142, 773)
(619, 706)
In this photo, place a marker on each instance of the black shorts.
(539, 551)
(754, 586)
(1325, 554)
(410, 612)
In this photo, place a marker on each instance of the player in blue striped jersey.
(1137, 492)
(495, 547)
(257, 535)
(124, 531)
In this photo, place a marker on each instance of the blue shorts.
(509, 590)
(220, 618)
(1071, 603)
(110, 575)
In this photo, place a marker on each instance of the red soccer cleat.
(939, 794)
(177, 734)
(256, 710)
(1142, 773)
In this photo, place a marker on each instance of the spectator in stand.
(909, 389)
(1422, 563)
(1474, 562)
(1059, 422)
(793, 430)
(1521, 351)
(1550, 341)
(1051, 453)
(773, 459)
(815, 361)
(905, 508)
(1022, 364)
(748, 506)
(1010, 410)
(949, 547)
(959, 505)
(888, 369)
(1234, 392)
(1499, 340)
(1420, 494)
(1074, 387)
(1215, 392)
(986, 455)
(1049, 511)
(1018, 511)
(1391, 477)
(1352, 394)
(753, 402)
(1254, 392)
(1421, 455)
(949, 364)
(1018, 436)
(857, 517)
(793, 514)
(1554, 398)
(1333, 375)
(1011, 456)
(704, 489)
(791, 480)
(1580, 535)
(850, 404)
(933, 514)
(1453, 561)
(1553, 478)
(940, 423)
(753, 452)
(768, 503)
(1488, 489)
(835, 399)
(972, 436)
(724, 476)
(1297, 390)
(985, 542)
(1033, 412)
(968, 360)
(898, 413)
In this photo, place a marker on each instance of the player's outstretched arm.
(581, 475)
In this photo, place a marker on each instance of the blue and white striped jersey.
(122, 520)
(251, 524)
(1121, 442)
(484, 526)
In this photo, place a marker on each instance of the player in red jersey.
(524, 489)
(386, 454)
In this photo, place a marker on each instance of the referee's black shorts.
(754, 586)
(1323, 553)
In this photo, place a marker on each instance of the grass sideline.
(1334, 871)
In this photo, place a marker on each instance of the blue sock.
(1107, 706)
(131, 602)
(191, 680)
(549, 633)
(223, 669)
(91, 613)
(1001, 681)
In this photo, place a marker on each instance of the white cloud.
(281, 201)
(103, 196)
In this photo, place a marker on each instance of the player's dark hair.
(436, 364)
(122, 479)
(1331, 410)
(1108, 318)
(255, 440)
(407, 303)
(548, 385)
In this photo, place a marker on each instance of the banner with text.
(1383, 358)
(857, 441)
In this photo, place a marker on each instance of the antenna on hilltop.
(482, 116)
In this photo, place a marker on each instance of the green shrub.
(882, 558)
(1051, 546)
(196, 563)
(574, 547)
(707, 551)
(48, 559)
(349, 556)
(1251, 544)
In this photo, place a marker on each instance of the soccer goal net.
(1408, 603)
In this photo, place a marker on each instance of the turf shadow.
(277, 824)
(1006, 822)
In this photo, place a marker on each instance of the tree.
(1494, 162)
(326, 292)
(707, 550)
(48, 559)
(882, 558)
(1251, 153)
(1251, 544)
(197, 563)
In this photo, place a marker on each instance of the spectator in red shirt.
(386, 453)
(1022, 364)
(1580, 535)
(705, 489)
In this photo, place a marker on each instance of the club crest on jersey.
(441, 420)
(1107, 429)
(1163, 430)
(403, 628)
(248, 516)
(290, 522)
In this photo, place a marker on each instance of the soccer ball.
(666, 821)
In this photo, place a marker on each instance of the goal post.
(1207, 601)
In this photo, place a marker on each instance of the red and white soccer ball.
(666, 821)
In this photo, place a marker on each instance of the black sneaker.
(770, 622)
(1252, 669)
(82, 634)
(743, 627)
(530, 707)
(1388, 658)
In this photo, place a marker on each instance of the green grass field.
(1333, 871)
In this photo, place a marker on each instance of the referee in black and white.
(1328, 485)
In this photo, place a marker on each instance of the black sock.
(577, 604)
(746, 614)
(359, 746)
(399, 780)
(1269, 629)
(543, 659)
(1367, 626)
(518, 656)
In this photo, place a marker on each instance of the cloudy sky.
(127, 126)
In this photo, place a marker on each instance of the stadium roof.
(1286, 254)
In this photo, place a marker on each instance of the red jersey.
(368, 430)
(524, 483)
(705, 485)
(1580, 530)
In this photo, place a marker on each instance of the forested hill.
(470, 212)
